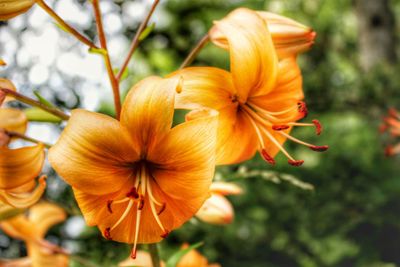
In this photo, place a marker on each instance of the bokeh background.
(341, 208)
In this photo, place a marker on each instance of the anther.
(319, 148)
(107, 233)
(141, 202)
(296, 163)
(318, 127)
(280, 127)
(267, 157)
(133, 193)
(162, 209)
(109, 203)
(133, 253)
(302, 108)
(165, 234)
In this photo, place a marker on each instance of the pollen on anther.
(318, 127)
(296, 163)
(141, 202)
(280, 127)
(319, 148)
(267, 157)
(109, 203)
(107, 233)
(165, 234)
(133, 254)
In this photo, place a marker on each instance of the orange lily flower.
(137, 179)
(217, 209)
(392, 125)
(194, 259)
(12, 8)
(32, 228)
(2, 62)
(18, 170)
(259, 100)
(289, 36)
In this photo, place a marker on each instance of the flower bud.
(13, 8)
(5, 84)
(216, 210)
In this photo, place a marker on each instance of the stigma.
(268, 124)
(136, 198)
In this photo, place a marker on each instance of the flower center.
(265, 122)
(139, 195)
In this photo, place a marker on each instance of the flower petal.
(216, 210)
(93, 153)
(6, 84)
(45, 215)
(186, 158)
(204, 87)
(237, 141)
(252, 54)
(148, 111)
(13, 120)
(20, 166)
(225, 188)
(287, 93)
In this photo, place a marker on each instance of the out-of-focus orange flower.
(194, 259)
(259, 100)
(12, 8)
(391, 124)
(2, 62)
(289, 36)
(13, 120)
(217, 209)
(32, 228)
(18, 170)
(138, 179)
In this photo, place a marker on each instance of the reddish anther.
(296, 163)
(165, 234)
(267, 157)
(109, 203)
(141, 202)
(133, 253)
(319, 148)
(132, 193)
(302, 108)
(107, 233)
(280, 127)
(162, 209)
(318, 127)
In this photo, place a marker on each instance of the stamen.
(162, 209)
(141, 202)
(296, 163)
(128, 208)
(318, 127)
(311, 146)
(109, 203)
(153, 209)
(150, 191)
(165, 234)
(302, 108)
(273, 139)
(107, 234)
(137, 228)
(267, 157)
(280, 127)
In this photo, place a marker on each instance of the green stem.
(203, 41)
(27, 100)
(27, 138)
(155, 257)
(65, 25)
(135, 41)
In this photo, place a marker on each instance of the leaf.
(37, 114)
(99, 51)
(147, 31)
(175, 258)
(42, 99)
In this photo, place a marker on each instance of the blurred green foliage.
(351, 218)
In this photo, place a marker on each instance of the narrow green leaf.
(175, 258)
(99, 51)
(147, 31)
(37, 114)
(42, 99)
